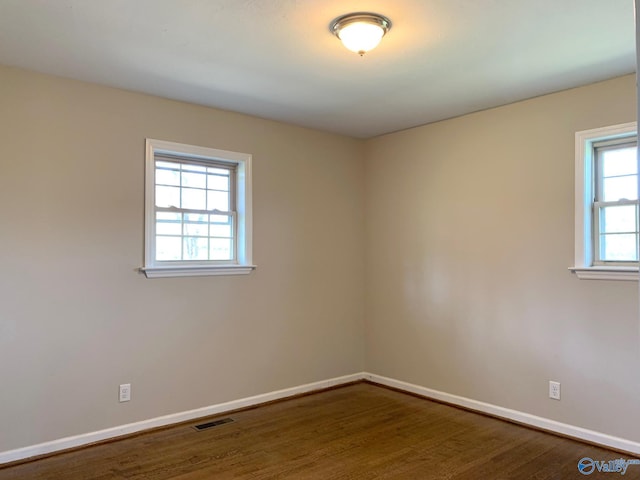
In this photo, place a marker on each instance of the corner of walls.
(469, 234)
(73, 196)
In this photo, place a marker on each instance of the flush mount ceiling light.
(360, 32)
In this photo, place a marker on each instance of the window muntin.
(197, 210)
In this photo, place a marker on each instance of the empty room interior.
(223, 210)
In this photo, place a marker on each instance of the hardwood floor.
(360, 431)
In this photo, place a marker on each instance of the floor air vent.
(215, 423)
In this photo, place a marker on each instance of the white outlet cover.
(125, 392)
(554, 390)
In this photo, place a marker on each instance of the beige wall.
(76, 319)
(469, 236)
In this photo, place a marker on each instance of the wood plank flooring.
(360, 431)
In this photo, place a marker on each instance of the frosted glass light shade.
(360, 37)
(360, 32)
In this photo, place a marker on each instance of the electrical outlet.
(125, 392)
(554, 390)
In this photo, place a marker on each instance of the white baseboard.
(513, 415)
(110, 433)
(496, 411)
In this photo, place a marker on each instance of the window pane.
(186, 167)
(218, 182)
(168, 228)
(618, 247)
(168, 248)
(196, 217)
(167, 196)
(167, 177)
(220, 249)
(221, 231)
(196, 229)
(194, 199)
(195, 248)
(617, 188)
(218, 171)
(197, 180)
(621, 161)
(223, 219)
(618, 219)
(161, 164)
(219, 200)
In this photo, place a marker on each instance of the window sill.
(164, 272)
(606, 273)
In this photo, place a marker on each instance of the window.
(606, 229)
(197, 211)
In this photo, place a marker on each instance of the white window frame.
(584, 195)
(242, 162)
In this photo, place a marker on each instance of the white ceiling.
(277, 59)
